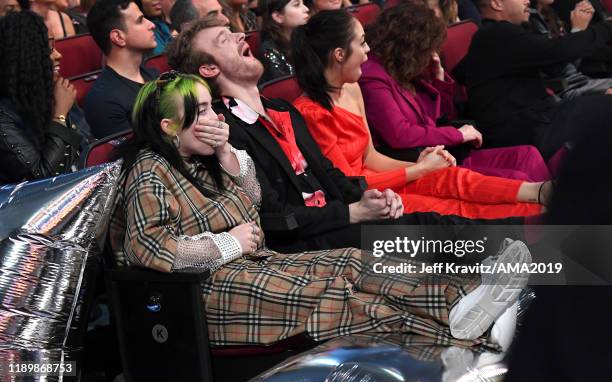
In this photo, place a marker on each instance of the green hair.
(177, 100)
(182, 88)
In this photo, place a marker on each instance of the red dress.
(343, 138)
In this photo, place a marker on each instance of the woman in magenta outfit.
(406, 90)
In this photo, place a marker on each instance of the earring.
(176, 141)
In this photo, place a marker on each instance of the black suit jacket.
(506, 93)
(279, 184)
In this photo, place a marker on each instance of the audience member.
(68, 15)
(466, 9)
(406, 90)
(183, 11)
(37, 138)
(241, 18)
(58, 23)
(189, 200)
(280, 17)
(506, 92)
(544, 21)
(166, 8)
(545, 350)
(329, 51)
(124, 35)
(295, 177)
(152, 10)
(211, 8)
(78, 14)
(7, 6)
(316, 6)
(446, 10)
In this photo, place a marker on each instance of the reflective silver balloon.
(51, 233)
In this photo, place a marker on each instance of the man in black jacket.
(506, 92)
(294, 175)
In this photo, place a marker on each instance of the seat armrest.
(161, 325)
(189, 275)
(278, 222)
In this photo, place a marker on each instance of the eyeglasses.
(162, 80)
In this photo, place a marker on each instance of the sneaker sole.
(500, 292)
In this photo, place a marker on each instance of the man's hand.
(372, 206)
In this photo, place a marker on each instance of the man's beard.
(246, 72)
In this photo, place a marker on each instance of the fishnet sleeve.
(206, 250)
(246, 178)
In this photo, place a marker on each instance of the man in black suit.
(507, 95)
(294, 175)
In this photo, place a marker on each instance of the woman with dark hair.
(189, 199)
(241, 18)
(152, 10)
(280, 18)
(406, 91)
(329, 51)
(37, 138)
(316, 6)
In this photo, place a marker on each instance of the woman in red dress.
(329, 52)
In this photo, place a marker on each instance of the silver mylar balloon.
(51, 234)
(386, 358)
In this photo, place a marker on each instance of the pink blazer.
(401, 120)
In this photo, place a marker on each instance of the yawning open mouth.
(246, 50)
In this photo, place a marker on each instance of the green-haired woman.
(190, 200)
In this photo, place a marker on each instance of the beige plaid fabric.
(267, 296)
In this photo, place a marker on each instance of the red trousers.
(458, 191)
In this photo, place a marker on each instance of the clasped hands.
(436, 157)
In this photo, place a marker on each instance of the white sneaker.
(502, 332)
(475, 313)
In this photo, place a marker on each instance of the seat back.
(458, 40)
(607, 5)
(253, 38)
(100, 151)
(365, 13)
(159, 62)
(286, 88)
(80, 55)
(82, 84)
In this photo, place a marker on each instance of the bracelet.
(61, 119)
